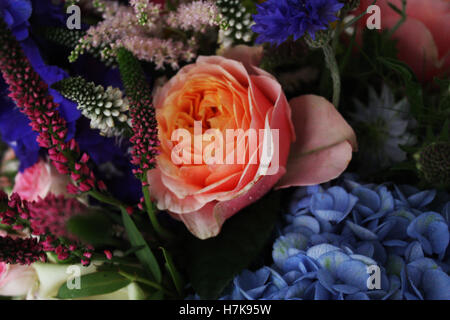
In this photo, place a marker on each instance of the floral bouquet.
(242, 150)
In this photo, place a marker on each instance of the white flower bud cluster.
(236, 21)
(106, 108)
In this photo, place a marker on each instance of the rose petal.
(323, 146)
(435, 15)
(422, 43)
(249, 56)
(207, 222)
(39, 180)
(16, 280)
(167, 200)
(416, 46)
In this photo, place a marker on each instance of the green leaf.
(176, 277)
(158, 295)
(402, 68)
(445, 131)
(132, 250)
(94, 228)
(213, 263)
(94, 284)
(145, 255)
(395, 8)
(414, 90)
(430, 134)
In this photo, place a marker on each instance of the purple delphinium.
(16, 14)
(277, 20)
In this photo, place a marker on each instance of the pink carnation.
(40, 180)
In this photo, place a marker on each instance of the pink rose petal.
(249, 56)
(423, 40)
(324, 143)
(207, 222)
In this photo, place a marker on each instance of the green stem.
(147, 282)
(176, 31)
(163, 233)
(334, 69)
(106, 199)
(402, 19)
(337, 34)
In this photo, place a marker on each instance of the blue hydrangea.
(332, 235)
(277, 20)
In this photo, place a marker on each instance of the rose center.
(206, 102)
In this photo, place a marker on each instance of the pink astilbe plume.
(159, 51)
(146, 11)
(31, 95)
(196, 16)
(141, 28)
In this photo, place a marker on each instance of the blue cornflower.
(277, 20)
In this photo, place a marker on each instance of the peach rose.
(423, 39)
(225, 94)
(39, 180)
